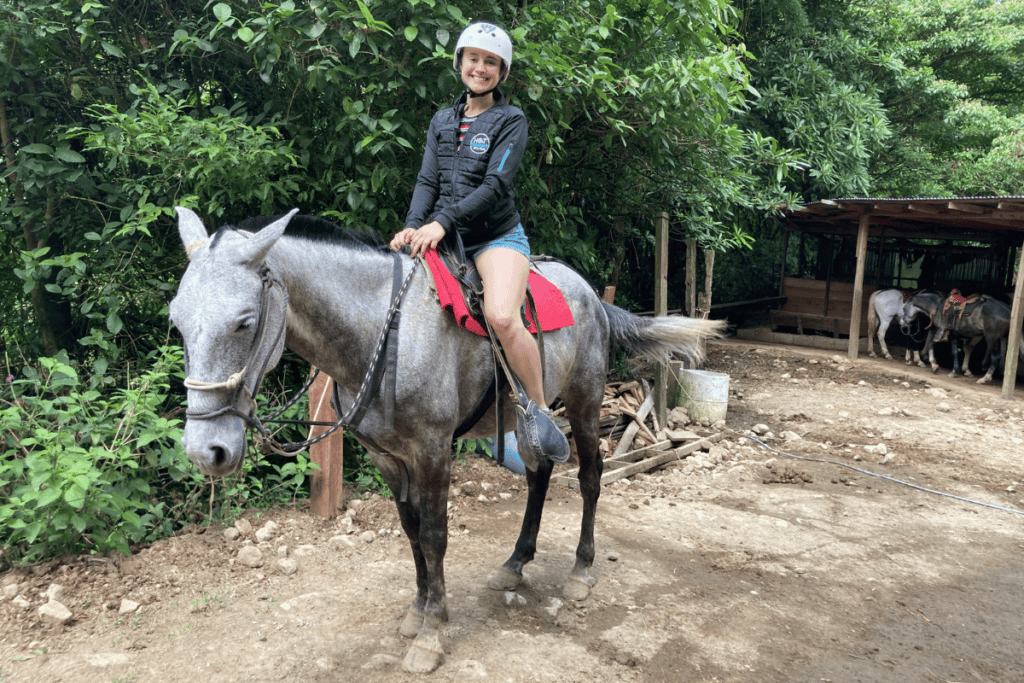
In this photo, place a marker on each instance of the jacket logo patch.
(480, 143)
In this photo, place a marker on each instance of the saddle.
(460, 291)
(956, 307)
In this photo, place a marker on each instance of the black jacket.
(470, 188)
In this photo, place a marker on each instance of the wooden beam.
(858, 286)
(966, 208)
(1011, 206)
(924, 208)
(1003, 215)
(1016, 317)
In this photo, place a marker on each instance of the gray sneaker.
(538, 434)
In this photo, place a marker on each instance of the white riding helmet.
(484, 36)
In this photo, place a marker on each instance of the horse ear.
(255, 248)
(191, 229)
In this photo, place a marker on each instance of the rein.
(387, 340)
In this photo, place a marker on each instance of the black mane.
(319, 230)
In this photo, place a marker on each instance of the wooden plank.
(641, 460)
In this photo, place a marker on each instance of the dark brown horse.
(987, 317)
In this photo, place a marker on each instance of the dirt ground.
(760, 567)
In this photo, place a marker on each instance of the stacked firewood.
(628, 421)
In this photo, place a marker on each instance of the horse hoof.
(872, 354)
(575, 590)
(504, 580)
(423, 660)
(983, 380)
(888, 357)
(579, 584)
(410, 627)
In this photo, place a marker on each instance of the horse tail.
(872, 316)
(662, 337)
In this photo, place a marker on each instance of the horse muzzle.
(216, 447)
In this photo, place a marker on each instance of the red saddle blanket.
(552, 310)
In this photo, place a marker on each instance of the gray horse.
(324, 292)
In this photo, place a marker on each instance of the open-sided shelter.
(861, 244)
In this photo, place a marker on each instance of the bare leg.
(505, 273)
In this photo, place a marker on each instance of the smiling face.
(481, 70)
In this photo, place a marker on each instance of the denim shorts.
(514, 239)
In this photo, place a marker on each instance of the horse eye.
(245, 324)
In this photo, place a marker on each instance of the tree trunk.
(40, 304)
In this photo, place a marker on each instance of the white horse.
(883, 307)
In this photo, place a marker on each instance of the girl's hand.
(419, 239)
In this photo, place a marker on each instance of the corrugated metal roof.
(988, 219)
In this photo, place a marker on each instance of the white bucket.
(704, 394)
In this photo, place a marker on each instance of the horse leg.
(394, 476)
(931, 354)
(582, 577)
(994, 359)
(424, 520)
(510, 575)
(955, 348)
(882, 329)
(413, 621)
(968, 350)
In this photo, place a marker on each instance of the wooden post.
(661, 308)
(704, 298)
(828, 272)
(326, 495)
(785, 255)
(858, 286)
(609, 294)
(691, 277)
(1016, 317)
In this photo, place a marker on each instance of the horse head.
(231, 312)
(908, 315)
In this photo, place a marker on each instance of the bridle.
(239, 381)
(907, 329)
(258, 356)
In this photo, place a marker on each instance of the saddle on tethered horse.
(956, 307)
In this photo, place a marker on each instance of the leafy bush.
(88, 471)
